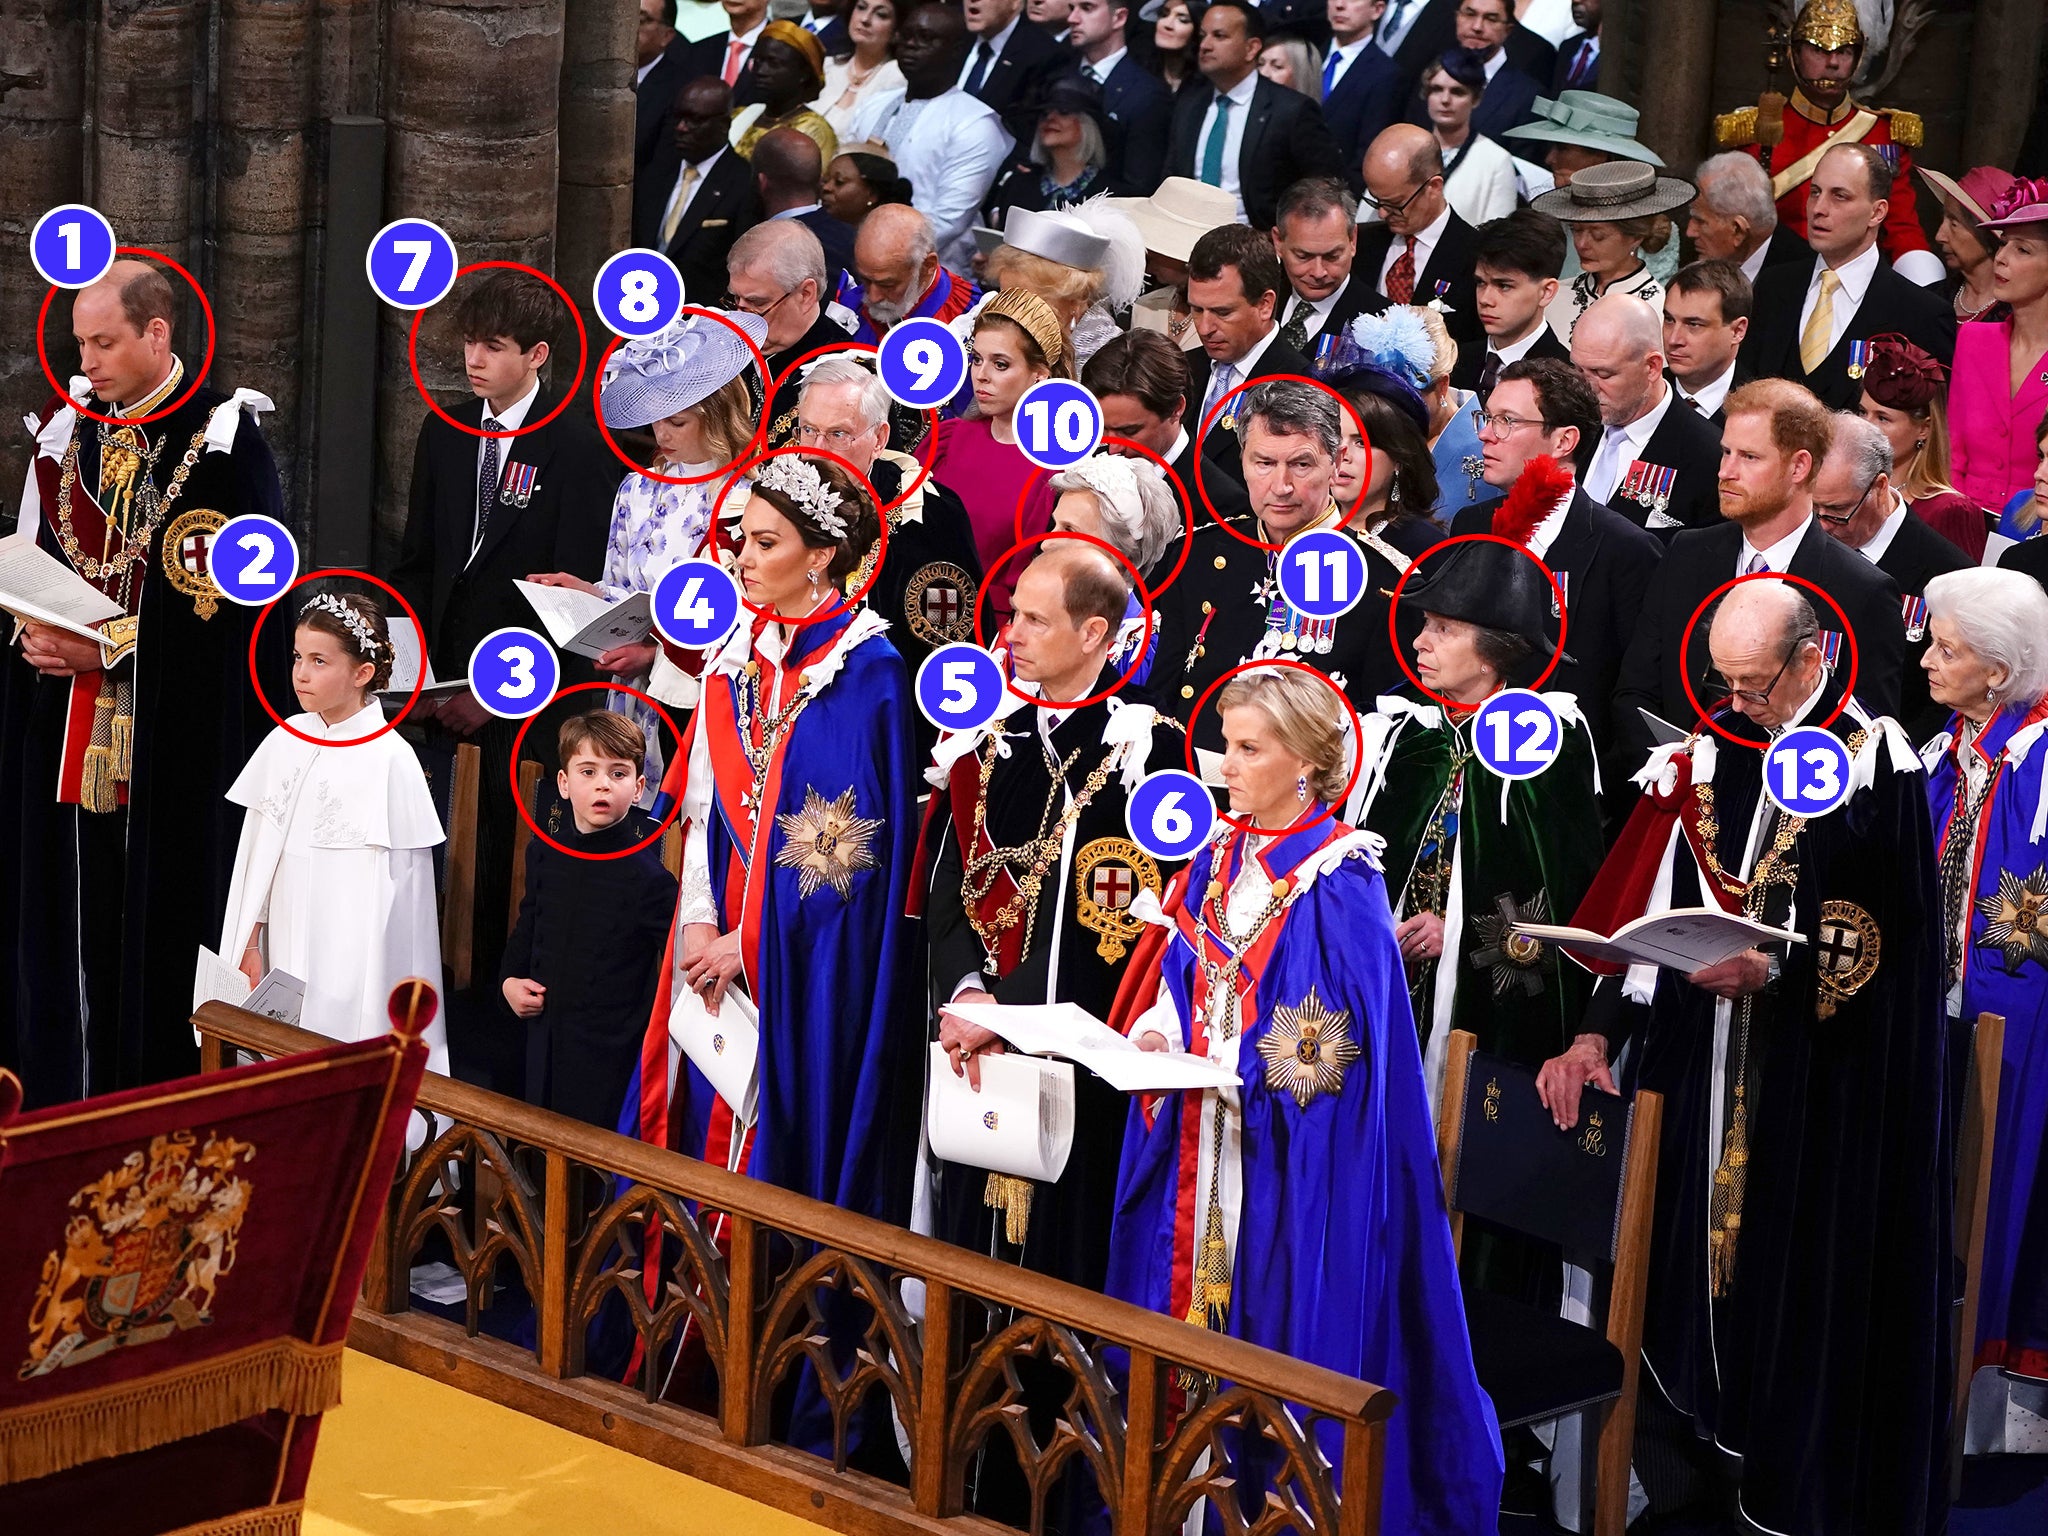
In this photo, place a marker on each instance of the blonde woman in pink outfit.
(1998, 387)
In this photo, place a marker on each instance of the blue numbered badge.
(922, 363)
(513, 673)
(959, 687)
(1322, 573)
(637, 293)
(1517, 733)
(1058, 423)
(411, 263)
(1171, 815)
(72, 245)
(252, 559)
(1806, 771)
(696, 604)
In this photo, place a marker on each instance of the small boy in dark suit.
(584, 957)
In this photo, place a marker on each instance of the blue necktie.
(487, 481)
(983, 57)
(1212, 147)
(1329, 72)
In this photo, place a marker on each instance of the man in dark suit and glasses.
(485, 512)
(1658, 462)
(661, 65)
(1809, 321)
(1706, 315)
(696, 197)
(1237, 130)
(1316, 239)
(1601, 559)
(1136, 109)
(1234, 287)
(1855, 502)
(1420, 251)
(1364, 91)
(1515, 265)
(1774, 440)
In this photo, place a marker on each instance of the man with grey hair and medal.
(1797, 1327)
(1227, 607)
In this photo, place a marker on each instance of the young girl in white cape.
(334, 879)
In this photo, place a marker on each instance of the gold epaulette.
(1733, 130)
(1907, 128)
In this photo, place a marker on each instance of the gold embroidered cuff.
(118, 640)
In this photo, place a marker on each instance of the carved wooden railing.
(1159, 1416)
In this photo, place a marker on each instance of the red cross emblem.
(1111, 886)
(193, 552)
(941, 603)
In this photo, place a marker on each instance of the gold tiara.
(1036, 318)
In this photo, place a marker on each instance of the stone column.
(145, 74)
(1669, 60)
(594, 210)
(2005, 56)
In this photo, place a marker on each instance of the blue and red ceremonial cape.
(948, 298)
(827, 968)
(1343, 1258)
(2005, 971)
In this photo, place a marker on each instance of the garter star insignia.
(1307, 1049)
(1514, 958)
(2017, 925)
(938, 604)
(1846, 954)
(146, 1258)
(825, 843)
(1108, 874)
(188, 557)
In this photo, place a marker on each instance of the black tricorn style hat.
(1491, 585)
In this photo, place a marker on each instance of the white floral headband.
(351, 616)
(799, 480)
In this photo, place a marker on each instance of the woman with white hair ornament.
(1128, 504)
(1988, 791)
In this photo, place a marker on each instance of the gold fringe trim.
(1011, 1196)
(123, 733)
(288, 1375)
(271, 1520)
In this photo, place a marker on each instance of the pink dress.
(990, 477)
(1991, 429)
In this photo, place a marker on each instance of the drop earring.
(812, 577)
(1301, 787)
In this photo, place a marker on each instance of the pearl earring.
(812, 578)
(1301, 787)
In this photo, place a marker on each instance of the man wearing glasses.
(1776, 437)
(1604, 562)
(777, 271)
(1854, 500)
(1804, 1189)
(1418, 250)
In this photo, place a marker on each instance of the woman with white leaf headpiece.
(1127, 504)
(697, 385)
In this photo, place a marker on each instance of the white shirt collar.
(1710, 395)
(1515, 351)
(1180, 446)
(1240, 94)
(1855, 275)
(1887, 530)
(1250, 360)
(1349, 51)
(1806, 708)
(703, 167)
(368, 718)
(640, 74)
(997, 43)
(1108, 65)
(1320, 307)
(1545, 533)
(795, 213)
(1495, 64)
(1779, 556)
(1753, 263)
(514, 416)
(1644, 427)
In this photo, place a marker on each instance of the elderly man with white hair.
(896, 256)
(1988, 791)
(1804, 1182)
(1735, 218)
(1658, 461)
(929, 568)
(1127, 504)
(1855, 500)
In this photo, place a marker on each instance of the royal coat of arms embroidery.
(1307, 1049)
(146, 1254)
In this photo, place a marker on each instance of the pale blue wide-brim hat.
(652, 378)
(1589, 120)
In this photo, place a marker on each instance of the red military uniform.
(1809, 131)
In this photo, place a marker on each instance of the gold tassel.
(122, 736)
(96, 790)
(288, 1375)
(1011, 1196)
(1731, 1180)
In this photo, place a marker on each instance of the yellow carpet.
(405, 1456)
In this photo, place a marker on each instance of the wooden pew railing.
(748, 1270)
